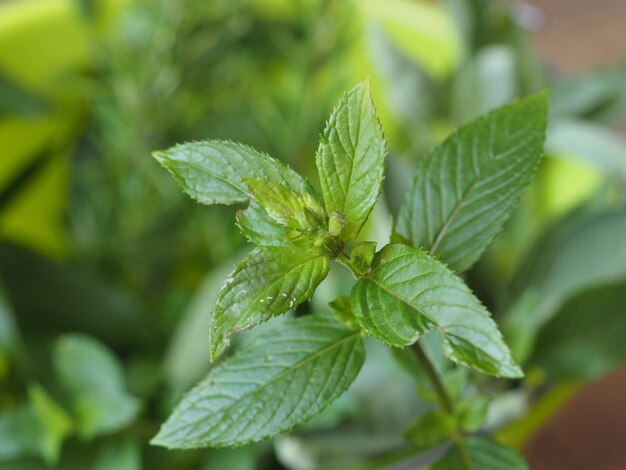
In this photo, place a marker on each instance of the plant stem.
(444, 399)
(433, 376)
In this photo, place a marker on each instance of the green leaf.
(69, 299)
(519, 325)
(585, 339)
(21, 433)
(597, 95)
(350, 159)
(212, 171)
(119, 455)
(243, 458)
(299, 211)
(484, 454)
(255, 224)
(55, 423)
(431, 428)
(342, 307)
(281, 379)
(583, 252)
(362, 255)
(466, 188)
(189, 339)
(9, 336)
(590, 143)
(408, 293)
(36, 429)
(471, 413)
(270, 281)
(23, 180)
(487, 80)
(94, 379)
(455, 381)
(16, 100)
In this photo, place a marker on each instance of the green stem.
(433, 376)
(444, 398)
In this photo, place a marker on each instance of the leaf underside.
(277, 381)
(409, 293)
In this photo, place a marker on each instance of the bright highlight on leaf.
(409, 293)
(466, 188)
(212, 171)
(294, 210)
(270, 281)
(276, 382)
(350, 159)
(260, 230)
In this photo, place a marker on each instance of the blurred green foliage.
(100, 252)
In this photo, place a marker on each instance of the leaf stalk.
(444, 399)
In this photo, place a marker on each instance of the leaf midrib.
(414, 307)
(461, 201)
(260, 296)
(205, 170)
(405, 301)
(297, 365)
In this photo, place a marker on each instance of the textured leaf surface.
(484, 454)
(465, 189)
(409, 293)
(260, 230)
(350, 159)
(211, 171)
(93, 377)
(277, 381)
(270, 281)
(299, 211)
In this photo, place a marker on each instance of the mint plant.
(461, 195)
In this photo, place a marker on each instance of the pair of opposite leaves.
(461, 195)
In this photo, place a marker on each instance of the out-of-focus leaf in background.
(94, 379)
(585, 339)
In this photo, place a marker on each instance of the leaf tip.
(512, 371)
(159, 441)
(216, 347)
(160, 156)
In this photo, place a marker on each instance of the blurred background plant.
(108, 273)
